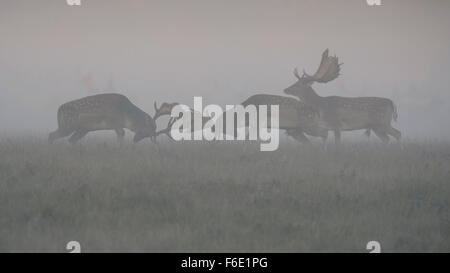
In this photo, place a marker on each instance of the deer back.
(104, 111)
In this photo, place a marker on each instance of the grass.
(223, 197)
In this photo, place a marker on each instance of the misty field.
(223, 197)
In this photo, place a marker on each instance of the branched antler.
(164, 109)
(168, 128)
(157, 110)
(329, 69)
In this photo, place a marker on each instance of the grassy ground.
(223, 197)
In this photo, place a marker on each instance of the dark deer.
(103, 112)
(296, 117)
(343, 113)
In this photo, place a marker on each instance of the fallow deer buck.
(344, 113)
(104, 112)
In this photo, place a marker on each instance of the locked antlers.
(167, 130)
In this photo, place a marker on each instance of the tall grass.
(183, 197)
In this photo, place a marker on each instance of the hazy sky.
(224, 51)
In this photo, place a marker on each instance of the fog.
(224, 51)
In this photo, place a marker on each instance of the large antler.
(328, 70)
(157, 110)
(164, 109)
(168, 128)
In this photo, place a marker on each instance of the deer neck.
(136, 119)
(131, 123)
(310, 96)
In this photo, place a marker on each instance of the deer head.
(147, 128)
(167, 130)
(328, 70)
(164, 109)
(152, 133)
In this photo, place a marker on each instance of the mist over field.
(222, 196)
(223, 51)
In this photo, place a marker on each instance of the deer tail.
(394, 114)
(62, 117)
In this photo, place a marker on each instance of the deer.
(110, 111)
(345, 113)
(296, 117)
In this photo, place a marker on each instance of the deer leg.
(120, 135)
(324, 136)
(337, 136)
(56, 135)
(300, 137)
(324, 142)
(303, 139)
(53, 136)
(77, 136)
(395, 133)
(382, 135)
